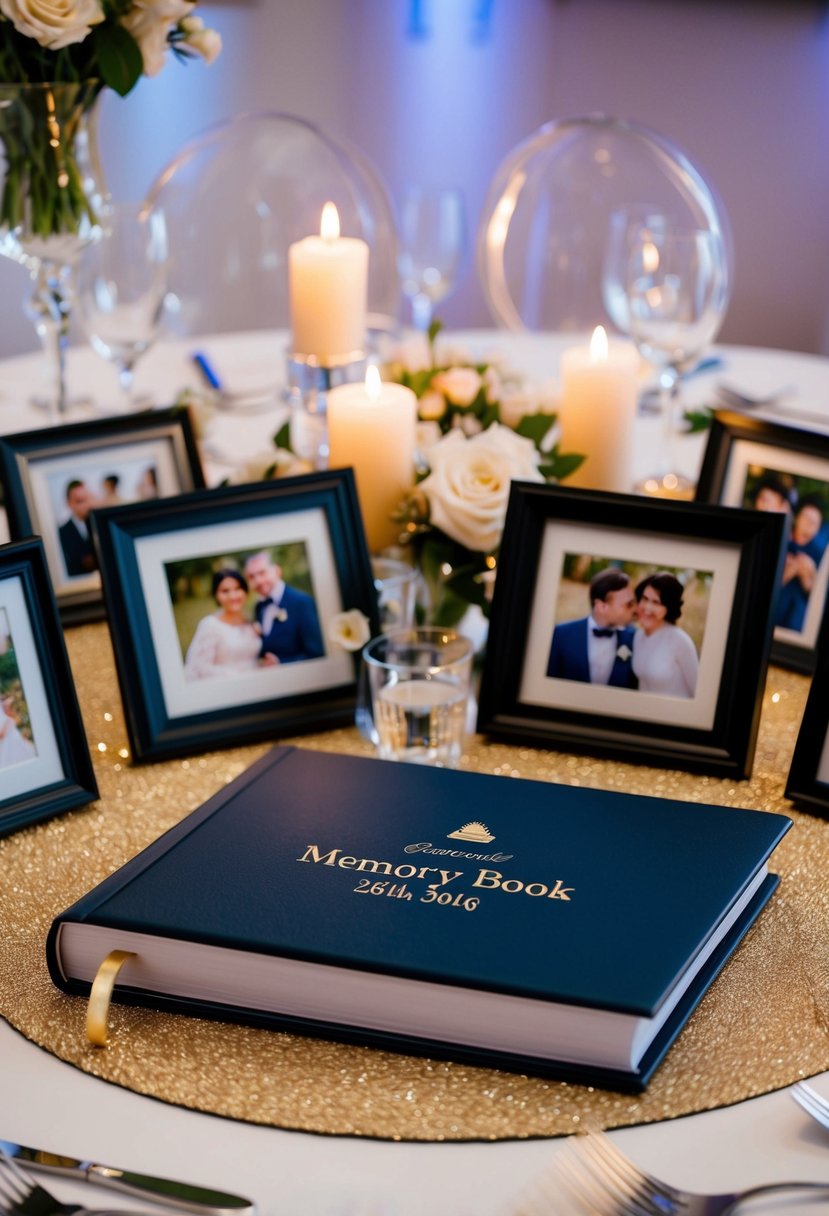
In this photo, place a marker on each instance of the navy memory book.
(515, 924)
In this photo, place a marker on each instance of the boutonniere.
(623, 652)
(280, 614)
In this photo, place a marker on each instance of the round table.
(49, 1104)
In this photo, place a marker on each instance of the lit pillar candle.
(597, 414)
(371, 427)
(328, 285)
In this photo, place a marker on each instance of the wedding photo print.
(57, 477)
(617, 623)
(771, 467)
(245, 611)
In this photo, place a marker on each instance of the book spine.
(88, 904)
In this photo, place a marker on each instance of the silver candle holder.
(307, 385)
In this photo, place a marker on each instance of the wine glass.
(677, 288)
(432, 248)
(122, 287)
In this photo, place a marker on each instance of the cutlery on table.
(184, 1196)
(592, 1172)
(744, 401)
(812, 1102)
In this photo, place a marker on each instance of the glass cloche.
(236, 197)
(554, 205)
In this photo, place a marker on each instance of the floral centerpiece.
(56, 56)
(481, 426)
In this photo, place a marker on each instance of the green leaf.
(561, 465)
(698, 420)
(535, 427)
(282, 438)
(119, 57)
(434, 329)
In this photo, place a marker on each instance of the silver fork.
(812, 1102)
(600, 1179)
(731, 396)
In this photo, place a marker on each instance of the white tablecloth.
(49, 1104)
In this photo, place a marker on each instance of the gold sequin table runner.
(763, 1024)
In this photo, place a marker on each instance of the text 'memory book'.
(509, 923)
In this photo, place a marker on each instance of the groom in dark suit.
(75, 541)
(597, 649)
(286, 616)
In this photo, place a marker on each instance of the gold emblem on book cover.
(477, 832)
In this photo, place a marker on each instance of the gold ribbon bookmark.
(97, 1010)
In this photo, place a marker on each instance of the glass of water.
(418, 681)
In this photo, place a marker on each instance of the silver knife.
(182, 1195)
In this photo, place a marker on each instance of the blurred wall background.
(438, 91)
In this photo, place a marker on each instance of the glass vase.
(52, 196)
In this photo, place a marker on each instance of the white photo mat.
(658, 550)
(48, 510)
(184, 698)
(45, 768)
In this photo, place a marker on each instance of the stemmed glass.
(432, 248)
(677, 288)
(122, 287)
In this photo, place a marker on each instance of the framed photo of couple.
(57, 477)
(768, 466)
(235, 611)
(808, 780)
(45, 766)
(633, 627)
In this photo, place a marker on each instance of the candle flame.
(373, 382)
(598, 345)
(650, 257)
(330, 223)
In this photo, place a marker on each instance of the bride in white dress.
(14, 747)
(225, 643)
(665, 659)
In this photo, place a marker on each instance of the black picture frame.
(34, 666)
(736, 444)
(141, 549)
(714, 730)
(807, 784)
(36, 468)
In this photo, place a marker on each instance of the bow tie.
(603, 633)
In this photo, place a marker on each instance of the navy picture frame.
(784, 443)
(726, 747)
(169, 432)
(24, 571)
(806, 785)
(329, 501)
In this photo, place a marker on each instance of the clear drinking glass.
(677, 292)
(122, 286)
(418, 683)
(432, 248)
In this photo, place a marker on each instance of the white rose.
(149, 22)
(349, 629)
(468, 486)
(53, 23)
(514, 404)
(199, 38)
(460, 385)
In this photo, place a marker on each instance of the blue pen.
(205, 368)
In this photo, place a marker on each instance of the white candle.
(599, 391)
(371, 427)
(328, 286)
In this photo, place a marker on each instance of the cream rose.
(468, 486)
(349, 629)
(149, 22)
(199, 38)
(53, 23)
(460, 385)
